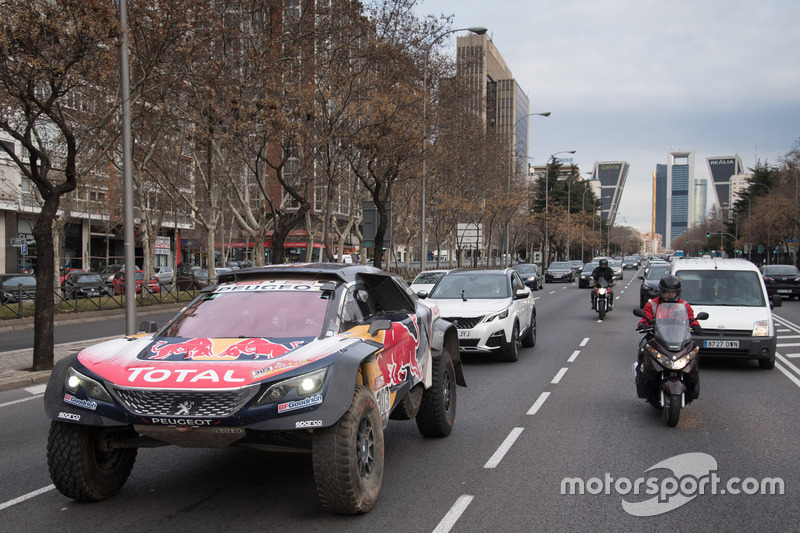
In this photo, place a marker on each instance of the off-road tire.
(437, 413)
(348, 457)
(82, 466)
(529, 340)
(510, 353)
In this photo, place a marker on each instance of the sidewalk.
(15, 366)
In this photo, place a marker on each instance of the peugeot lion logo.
(184, 408)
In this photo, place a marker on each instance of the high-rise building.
(612, 176)
(680, 194)
(500, 101)
(660, 201)
(700, 199)
(722, 168)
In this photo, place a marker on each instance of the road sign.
(16, 242)
(23, 249)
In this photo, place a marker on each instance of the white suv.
(492, 309)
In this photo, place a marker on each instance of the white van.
(733, 294)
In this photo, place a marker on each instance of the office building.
(721, 169)
(680, 194)
(700, 199)
(660, 202)
(611, 176)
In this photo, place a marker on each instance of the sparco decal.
(308, 424)
(151, 374)
(86, 404)
(69, 416)
(181, 421)
(299, 404)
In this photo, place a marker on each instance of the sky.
(632, 80)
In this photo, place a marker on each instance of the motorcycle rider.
(669, 290)
(603, 271)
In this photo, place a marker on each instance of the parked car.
(585, 279)
(65, 272)
(164, 274)
(782, 279)
(16, 286)
(492, 309)
(649, 287)
(108, 273)
(529, 272)
(559, 271)
(84, 285)
(426, 280)
(193, 278)
(118, 283)
(314, 358)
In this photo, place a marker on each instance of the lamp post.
(569, 199)
(594, 208)
(422, 244)
(583, 210)
(546, 254)
(510, 167)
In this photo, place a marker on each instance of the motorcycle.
(667, 374)
(603, 297)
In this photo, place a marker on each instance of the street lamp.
(583, 210)
(422, 244)
(569, 199)
(546, 255)
(511, 166)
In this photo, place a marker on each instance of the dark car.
(84, 285)
(529, 272)
(14, 287)
(191, 278)
(559, 271)
(631, 262)
(65, 272)
(314, 358)
(782, 279)
(649, 286)
(577, 266)
(585, 279)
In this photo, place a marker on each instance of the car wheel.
(529, 340)
(511, 352)
(437, 412)
(348, 457)
(82, 465)
(766, 364)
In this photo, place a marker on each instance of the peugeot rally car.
(315, 356)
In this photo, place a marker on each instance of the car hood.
(471, 308)
(150, 362)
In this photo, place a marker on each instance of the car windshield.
(110, 270)
(614, 264)
(25, 281)
(254, 310)
(428, 277)
(657, 272)
(526, 269)
(559, 266)
(479, 286)
(89, 278)
(722, 287)
(781, 270)
(589, 268)
(576, 264)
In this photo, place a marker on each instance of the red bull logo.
(400, 353)
(202, 349)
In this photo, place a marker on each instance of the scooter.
(603, 297)
(667, 374)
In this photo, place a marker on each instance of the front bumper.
(744, 346)
(783, 289)
(558, 277)
(486, 337)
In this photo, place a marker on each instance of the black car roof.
(343, 271)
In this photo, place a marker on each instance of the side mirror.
(379, 325)
(640, 276)
(422, 294)
(638, 312)
(702, 316)
(148, 326)
(521, 294)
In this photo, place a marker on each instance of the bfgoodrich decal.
(299, 404)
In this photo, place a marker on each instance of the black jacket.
(601, 272)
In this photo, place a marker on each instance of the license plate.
(720, 344)
(788, 291)
(463, 334)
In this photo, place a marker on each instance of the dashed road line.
(454, 514)
(559, 376)
(498, 455)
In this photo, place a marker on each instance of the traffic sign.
(23, 249)
(17, 242)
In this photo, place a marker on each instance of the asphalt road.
(566, 410)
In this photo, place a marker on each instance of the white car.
(492, 309)
(426, 279)
(164, 274)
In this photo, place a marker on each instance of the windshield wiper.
(463, 296)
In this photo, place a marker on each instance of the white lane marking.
(28, 496)
(584, 341)
(792, 355)
(785, 344)
(779, 367)
(36, 389)
(538, 403)
(552, 292)
(559, 376)
(495, 459)
(20, 401)
(573, 356)
(788, 363)
(454, 514)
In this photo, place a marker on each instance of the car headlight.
(303, 385)
(75, 380)
(761, 328)
(500, 316)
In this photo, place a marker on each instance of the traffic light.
(687, 241)
(708, 234)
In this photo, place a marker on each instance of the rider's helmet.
(669, 288)
(603, 263)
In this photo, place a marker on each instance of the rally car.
(317, 357)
